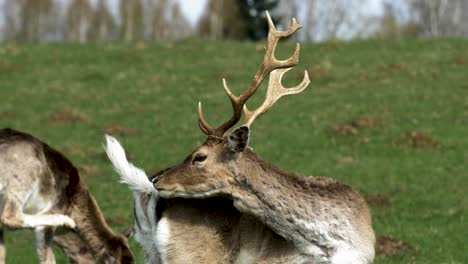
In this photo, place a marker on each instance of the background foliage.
(159, 20)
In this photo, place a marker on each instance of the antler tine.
(273, 38)
(237, 107)
(270, 63)
(275, 91)
(204, 127)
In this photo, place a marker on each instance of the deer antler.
(269, 65)
(275, 91)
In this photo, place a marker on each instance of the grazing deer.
(41, 189)
(77, 251)
(75, 248)
(194, 231)
(322, 217)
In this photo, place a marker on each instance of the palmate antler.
(276, 68)
(275, 91)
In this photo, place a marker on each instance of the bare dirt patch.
(353, 127)
(345, 160)
(389, 247)
(392, 67)
(461, 60)
(117, 220)
(222, 75)
(377, 200)
(10, 68)
(418, 140)
(67, 117)
(260, 47)
(344, 129)
(7, 115)
(315, 73)
(121, 130)
(73, 150)
(87, 169)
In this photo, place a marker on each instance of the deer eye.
(199, 158)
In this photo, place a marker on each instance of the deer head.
(213, 167)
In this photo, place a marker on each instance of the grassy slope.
(402, 86)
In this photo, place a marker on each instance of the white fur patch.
(345, 254)
(344, 249)
(246, 257)
(48, 220)
(131, 175)
(171, 194)
(162, 238)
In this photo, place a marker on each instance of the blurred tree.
(78, 20)
(333, 16)
(286, 10)
(179, 27)
(440, 18)
(253, 12)
(11, 14)
(390, 29)
(222, 19)
(311, 21)
(342, 19)
(131, 13)
(393, 27)
(158, 22)
(166, 20)
(102, 23)
(34, 19)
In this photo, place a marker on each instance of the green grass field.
(388, 118)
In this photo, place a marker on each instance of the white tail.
(145, 198)
(131, 175)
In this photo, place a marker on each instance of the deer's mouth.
(183, 194)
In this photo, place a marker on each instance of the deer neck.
(260, 184)
(91, 224)
(274, 197)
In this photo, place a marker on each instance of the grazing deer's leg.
(48, 220)
(43, 241)
(2, 247)
(13, 217)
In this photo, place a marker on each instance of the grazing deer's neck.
(91, 224)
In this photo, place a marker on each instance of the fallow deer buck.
(195, 231)
(323, 218)
(41, 189)
(319, 219)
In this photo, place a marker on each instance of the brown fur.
(213, 231)
(60, 182)
(74, 247)
(276, 198)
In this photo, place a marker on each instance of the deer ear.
(238, 140)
